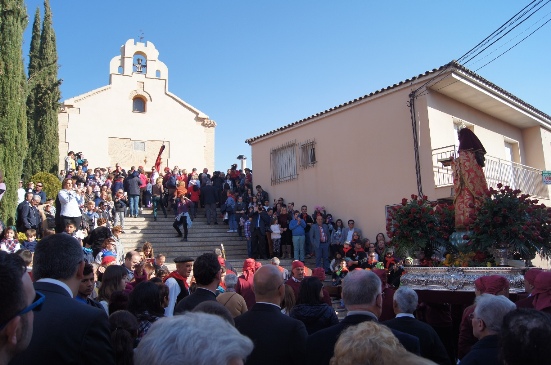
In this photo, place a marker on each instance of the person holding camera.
(70, 200)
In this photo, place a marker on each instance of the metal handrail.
(517, 176)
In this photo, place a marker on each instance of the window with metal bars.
(308, 154)
(283, 162)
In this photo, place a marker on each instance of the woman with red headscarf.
(469, 182)
(542, 292)
(244, 286)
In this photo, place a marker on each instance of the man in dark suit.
(207, 274)
(405, 303)
(24, 213)
(65, 330)
(361, 293)
(208, 193)
(259, 225)
(278, 339)
(319, 236)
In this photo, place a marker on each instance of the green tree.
(47, 95)
(13, 119)
(32, 165)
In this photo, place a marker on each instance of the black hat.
(180, 259)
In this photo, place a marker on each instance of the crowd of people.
(91, 302)
(205, 313)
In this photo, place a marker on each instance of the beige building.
(128, 120)
(364, 155)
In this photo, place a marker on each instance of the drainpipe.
(415, 142)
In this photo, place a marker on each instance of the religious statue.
(469, 182)
(139, 66)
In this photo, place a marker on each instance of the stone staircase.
(201, 238)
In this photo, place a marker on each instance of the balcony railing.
(517, 176)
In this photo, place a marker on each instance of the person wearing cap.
(177, 284)
(529, 279)
(297, 275)
(208, 275)
(490, 284)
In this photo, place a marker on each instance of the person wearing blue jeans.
(134, 209)
(230, 209)
(297, 226)
(319, 236)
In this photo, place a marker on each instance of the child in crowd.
(276, 236)
(87, 250)
(147, 250)
(247, 229)
(105, 212)
(338, 269)
(30, 243)
(108, 249)
(119, 247)
(121, 202)
(90, 217)
(27, 257)
(9, 242)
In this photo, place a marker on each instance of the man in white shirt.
(176, 282)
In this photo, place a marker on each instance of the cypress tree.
(46, 150)
(32, 165)
(13, 118)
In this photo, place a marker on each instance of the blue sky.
(254, 66)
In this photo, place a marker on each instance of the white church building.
(129, 120)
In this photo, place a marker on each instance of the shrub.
(50, 182)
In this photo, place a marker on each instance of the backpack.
(171, 183)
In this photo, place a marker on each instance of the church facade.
(129, 120)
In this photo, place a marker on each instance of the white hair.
(406, 299)
(192, 338)
(491, 309)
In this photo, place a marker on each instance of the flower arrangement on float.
(510, 223)
(419, 228)
(507, 224)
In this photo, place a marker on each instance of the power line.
(497, 31)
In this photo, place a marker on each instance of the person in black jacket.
(132, 185)
(207, 274)
(209, 199)
(259, 225)
(405, 303)
(487, 321)
(361, 293)
(64, 331)
(310, 308)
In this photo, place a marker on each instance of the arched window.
(138, 105)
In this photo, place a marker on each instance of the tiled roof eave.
(453, 67)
